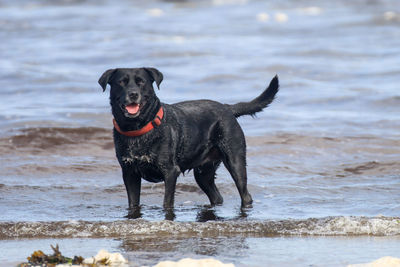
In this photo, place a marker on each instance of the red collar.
(147, 128)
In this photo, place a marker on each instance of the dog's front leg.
(170, 178)
(132, 183)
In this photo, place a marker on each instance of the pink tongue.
(132, 108)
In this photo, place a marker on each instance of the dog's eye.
(139, 81)
(124, 81)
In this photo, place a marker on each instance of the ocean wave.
(84, 142)
(329, 226)
(37, 139)
(47, 137)
(149, 188)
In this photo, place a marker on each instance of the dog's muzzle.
(131, 103)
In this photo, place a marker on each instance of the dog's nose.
(133, 95)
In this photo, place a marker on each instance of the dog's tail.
(259, 103)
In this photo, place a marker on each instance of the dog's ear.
(103, 81)
(155, 74)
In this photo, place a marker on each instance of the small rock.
(382, 262)
(194, 263)
(106, 258)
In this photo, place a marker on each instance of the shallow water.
(323, 159)
(251, 251)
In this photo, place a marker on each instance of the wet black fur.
(196, 135)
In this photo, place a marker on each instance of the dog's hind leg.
(236, 166)
(233, 150)
(205, 178)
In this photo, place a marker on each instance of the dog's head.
(132, 90)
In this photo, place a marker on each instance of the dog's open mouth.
(133, 108)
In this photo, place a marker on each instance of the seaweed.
(103, 258)
(39, 258)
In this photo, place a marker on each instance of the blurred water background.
(323, 159)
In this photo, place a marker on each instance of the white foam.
(155, 12)
(262, 17)
(311, 11)
(330, 226)
(390, 15)
(179, 39)
(229, 2)
(378, 226)
(281, 17)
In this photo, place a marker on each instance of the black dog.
(156, 141)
